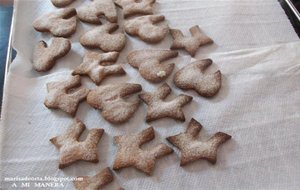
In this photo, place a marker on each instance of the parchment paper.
(258, 103)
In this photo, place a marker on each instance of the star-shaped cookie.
(193, 77)
(190, 44)
(66, 95)
(130, 153)
(98, 66)
(159, 108)
(72, 150)
(193, 149)
(95, 182)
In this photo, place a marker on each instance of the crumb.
(161, 74)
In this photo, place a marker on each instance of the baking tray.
(9, 56)
(293, 8)
(9, 52)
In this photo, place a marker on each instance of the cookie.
(159, 108)
(61, 3)
(149, 63)
(101, 37)
(193, 77)
(112, 101)
(98, 66)
(190, 44)
(96, 182)
(65, 95)
(130, 153)
(44, 56)
(146, 29)
(96, 9)
(193, 149)
(136, 7)
(61, 23)
(72, 150)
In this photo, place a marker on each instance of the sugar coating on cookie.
(62, 3)
(112, 101)
(190, 43)
(72, 150)
(44, 56)
(136, 7)
(146, 29)
(94, 10)
(159, 108)
(101, 37)
(96, 182)
(98, 66)
(149, 63)
(66, 95)
(61, 23)
(193, 77)
(193, 149)
(130, 153)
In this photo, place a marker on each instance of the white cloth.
(258, 103)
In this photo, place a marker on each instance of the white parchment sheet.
(255, 49)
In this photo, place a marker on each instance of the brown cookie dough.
(193, 77)
(62, 3)
(130, 153)
(98, 66)
(44, 56)
(101, 37)
(112, 101)
(193, 149)
(96, 9)
(136, 7)
(65, 95)
(61, 23)
(96, 182)
(190, 44)
(149, 63)
(159, 108)
(72, 150)
(146, 29)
